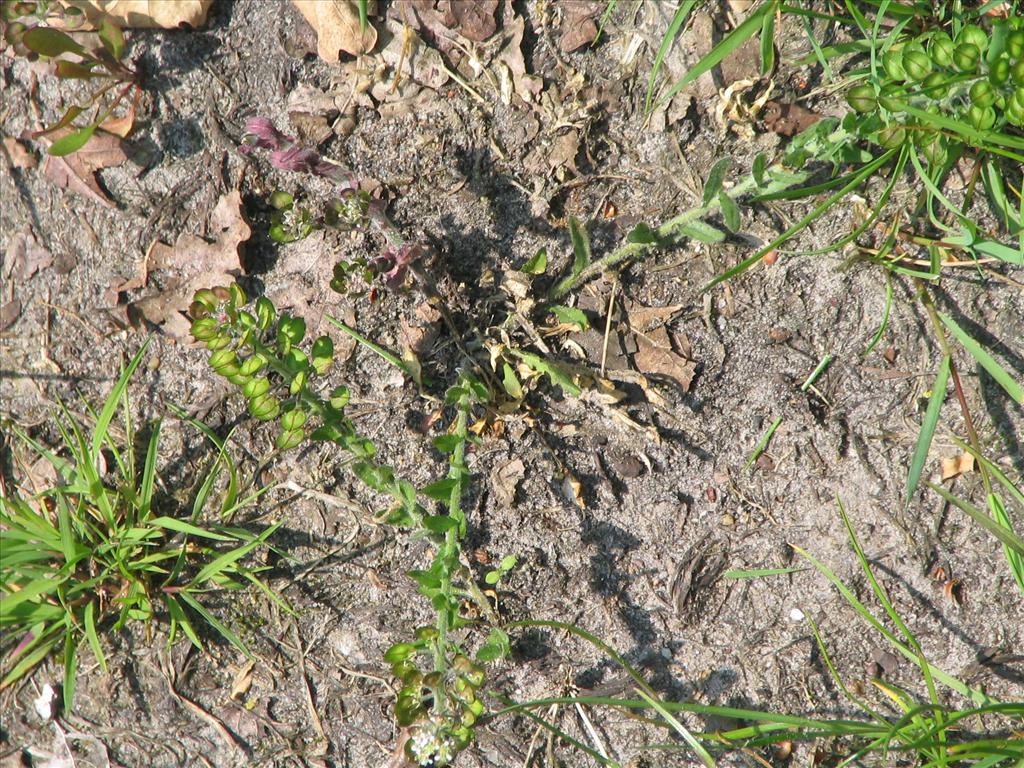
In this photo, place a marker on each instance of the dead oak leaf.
(475, 18)
(23, 257)
(18, 154)
(77, 172)
(190, 264)
(336, 23)
(579, 27)
(161, 14)
(667, 356)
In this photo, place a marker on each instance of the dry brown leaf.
(410, 58)
(77, 172)
(19, 155)
(9, 312)
(164, 14)
(957, 465)
(336, 23)
(643, 319)
(190, 264)
(243, 680)
(475, 18)
(656, 354)
(579, 27)
(505, 481)
(24, 257)
(511, 65)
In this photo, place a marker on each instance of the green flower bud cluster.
(976, 77)
(288, 223)
(257, 350)
(437, 733)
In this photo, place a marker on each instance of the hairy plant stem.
(448, 555)
(778, 179)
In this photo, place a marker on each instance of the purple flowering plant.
(354, 209)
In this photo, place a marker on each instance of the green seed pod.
(204, 328)
(424, 633)
(935, 152)
(224, 359)
(941, 50)
(289, 439)
(981, 118)
(265, 407)
(237, 295)
(917, 65)
(206, 298)
(862, 98)
(935, 83)
(399, 652)
(966, 57)
(891, 97)
(407, 712)
(219, 341)
(892, 136)
(1015, 43)
(983, 94)
(265, 313)
(974, 35)
(1000, 71)
(253, 365)
(1017, 73)
(294, 419)
(892, 63)
(339, 399)
(256, 387)
(298, 383)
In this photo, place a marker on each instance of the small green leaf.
(730, 211)
(447, 443)
(439, 523)
(760, 165)
(699, 230)
(72, 70)
(642, 234)
(552, 370)
(281, 200)
(538, 264)
(440, 490)
(580, 246)
(496, 647)
(50, 42)
(71, 143)
(715, 180)
(511, 383)
(571, 316)
(112, 38)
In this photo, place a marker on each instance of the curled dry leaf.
(188, 265)
(336, 23)
(957, 465)
(475, 18)
(162, 14)
(660, 354)
(505, 481)
(579, 25)
(77, 172)
(18, 154)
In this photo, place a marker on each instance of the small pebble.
(728, 521)
(796, 615)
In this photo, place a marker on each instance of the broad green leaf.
(510, 382)
(924, 438)
(768, 44)
(68, 145)
(440, 523)
(580, 246)
(642, 234)
(112, 38)
(571, 316)
(759, 167)
(985, 360)
(538, 264)
(715, 180)
(557, 376)
(440, 490)
(50, 42)
(730, 211)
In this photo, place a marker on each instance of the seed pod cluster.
(976, 77)
(258, 351)
(435, 739)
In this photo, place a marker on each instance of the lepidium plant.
(97, 549)
(283, 380)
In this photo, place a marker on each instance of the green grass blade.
(681, 729)
(89, 620)
(924, 438)
(373, 346)
(1005, 535)
(758, 573)
(149, 474)
(217, 565)
(1014, 558)
(181, 526)
(984, 359)
(750, 26)
(681, 15)
(212, 620)
(99, 435)
(885, 317)
(70, 668)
